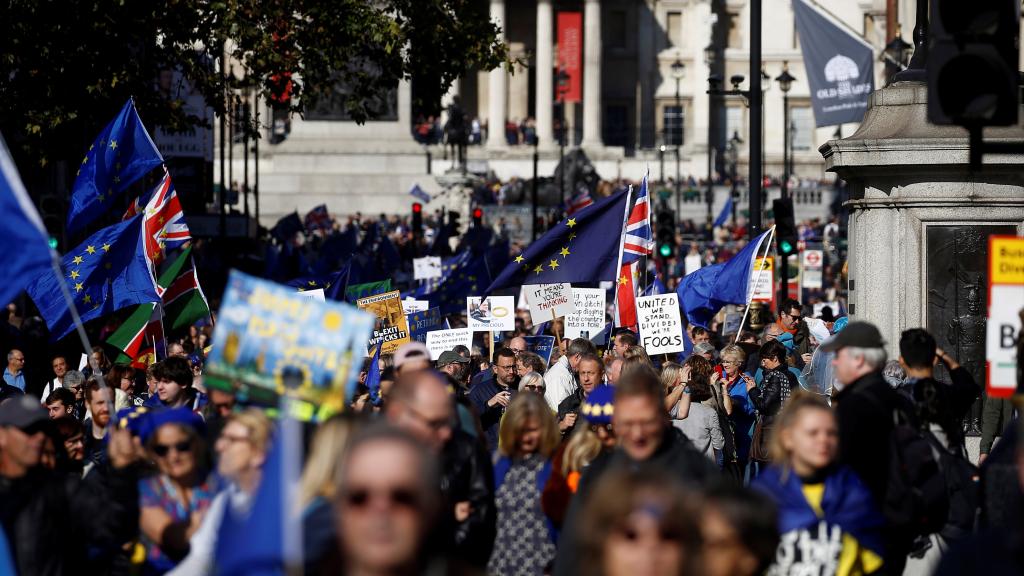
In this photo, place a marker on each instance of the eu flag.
(121, 154)
(463, 275)
(580, 249)
(105, 273)
(704, 292)
(22, 236)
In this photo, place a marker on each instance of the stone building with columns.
(643, 101)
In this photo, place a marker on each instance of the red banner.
(570, 52)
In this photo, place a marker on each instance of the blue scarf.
(847, 503)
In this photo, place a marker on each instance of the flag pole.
(55, 262)
(618, 265)
(757, 280)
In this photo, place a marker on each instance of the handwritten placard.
(661, 329)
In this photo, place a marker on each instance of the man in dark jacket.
(492, 397)
(865, 404)
(51, 519)
(421, 404)
(646, 439)
(590, 371)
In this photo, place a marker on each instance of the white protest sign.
(661, 330)
(494, 313)
(426, 268)
(588, 319)
(549, 301)
(411, 306)
(523, 303)
(692, 263)
(317, 294)
(440, 340)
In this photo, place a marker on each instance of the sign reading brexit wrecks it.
(266, 331)
(661, 330)
(391, 329)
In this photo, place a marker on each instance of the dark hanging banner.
(839, 66)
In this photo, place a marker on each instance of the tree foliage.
(67, 67)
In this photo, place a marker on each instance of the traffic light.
(785, 226)
(478, 217)
(972, 62)
(666, 222)
(51, 209)
(417, 219)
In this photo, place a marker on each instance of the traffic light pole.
(756, 112)
(784, 194)
(533, 191)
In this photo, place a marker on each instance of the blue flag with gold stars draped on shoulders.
(105, 273)
(121, 154)
(583, 248)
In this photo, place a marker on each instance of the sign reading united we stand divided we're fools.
(661, 329)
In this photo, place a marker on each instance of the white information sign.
(812, 261)
(317, 294)
(588, 319)
(661, 329)
(692, 262)
(549, 301)
(426, 268)
(440, 340)
(494, 313)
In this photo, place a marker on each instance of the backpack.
(930, 489)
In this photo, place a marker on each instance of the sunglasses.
(534, 387)
(606, 427)
(403, 498)
(162, 450)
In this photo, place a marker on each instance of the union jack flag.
(164, 227)
(580, 200)
(637, 245)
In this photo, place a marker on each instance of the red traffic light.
(417, 207)
(478, 213)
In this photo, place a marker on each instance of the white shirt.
(49, 388)
(559, 383)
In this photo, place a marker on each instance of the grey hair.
(10, 355)
(894, 373)
(530, 379)
(73, 378)
(873, 357)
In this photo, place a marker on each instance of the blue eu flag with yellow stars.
(105, 273)
(583, 248)
(121, 154)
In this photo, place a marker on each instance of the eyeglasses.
(505, 367)
(794, 317)
(402, 498)
(595, 428)
(183, 447)
(534, 387)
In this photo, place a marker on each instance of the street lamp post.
(732, 154)
(678, 72)
(785, 80)
(710, 54)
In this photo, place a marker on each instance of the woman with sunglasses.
(739, 412)
(639, 523)
(173, 503)
(584, 445)
(526, 440)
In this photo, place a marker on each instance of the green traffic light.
(786, 247)
(53, 243)
(665, 250)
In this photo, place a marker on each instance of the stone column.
(497, 87)
(545, 74)
(592, 74)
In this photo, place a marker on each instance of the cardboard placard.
(588, 319)
(439, 341)
(542, 346)
(411, 306)
(264, 328)
(391, 328)
(426, 268)
(762, 281)
(1005, 300)
(317, 294)
(494, 313)
(549, 301)
(420, 323)
(661, 330)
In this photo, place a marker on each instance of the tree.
(67, 67)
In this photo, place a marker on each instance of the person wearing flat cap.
(864, 404)
(51, 520)
(454, 365)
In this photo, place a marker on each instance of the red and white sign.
(812, 258)
(570, 53)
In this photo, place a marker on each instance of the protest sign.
(426, 268)
(588, 319)
(549, 301)
(317, 294)
(411, 306)
(358, 291)
(422, 322)
(762, 281)
(1005, 301)
(391, 328)
(692, 263)
(440, 340)
(491, 313)
(542, 346)
(265, 328)
(661, 330)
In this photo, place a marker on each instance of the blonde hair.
(325, 457)
(670, 372)
(524, 408)
(581, 449)
(733, 350)
(799, 402)
(258, 425)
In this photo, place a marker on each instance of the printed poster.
(491, 314)
(391, 328)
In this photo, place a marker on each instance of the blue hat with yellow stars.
(599, 405)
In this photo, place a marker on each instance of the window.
(674, 29)
(733, 122)
(615, 36)
(672, 120)
(733, 22)
(801, 131)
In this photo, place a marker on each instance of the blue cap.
(181, 416)
(599, 405)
